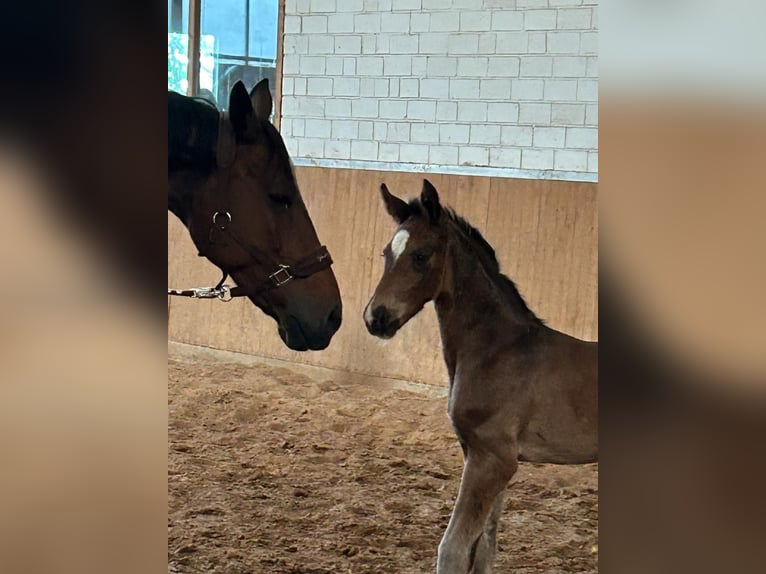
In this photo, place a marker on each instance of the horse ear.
(395, 207)
(429, 199)
(240, 107)
(260, 96)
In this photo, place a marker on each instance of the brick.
(495, 89)
(295, 45)
(591, 114)
(380, 132)
(288, 86)
(582, 138)
(508, 20)
(381, 88)
(292, 24)
(560, 90)
(303, 7)
(512, 42)
(337, 108)
(487, 43)
(340, 23)
(367, 23)
(437, 4)
(369, 66)
(589, 43)
(549, 137)
(290, 64)
(404, 44)
(369, 43)
(364, 108)
(397, 66)
(540, 20)
(537, 159)
(321, 6)
(300, 86)
(564, 42)
(388, 152)
(464, 89)
(393, 87)
(424, 133)
(349, 66)
(446, 111)
(441, 66)
(531, 4)
(312, 65)
(536, 66)
(299, 127)
(569, 66)
(535, 113)
(475, 21)
(538, 43)
(567, 114)
(518, 136)
(317, 128)
(333, 66)
(348, 44)
(405, 5)
(320, 87)
(314, 25)
(463, 44)
(434, 88)
(503, 112)
(473, 156)
(395, 22)
(453, 133)
(291, 144)
(442, 155)
(574, 19)
(303, 106)
(419, 22)
(485, 134)
(566, 160)
(472, 111)
(365, 131)
(559, 3)
(345, 87)
(413, 153)
(337, 149)
(504, 66)
(424, 110)
(350, 5)
(409, 88)
(505, 157)
(472, 66)
(399, 131)
(592, 67)
(433, 43)
(344, 129)
(321, 44)
(393, 109)
(310, 147)
(364, 150)
(593, 162)
(587, 90)
(367, 87)
(527, 89)
(445, 21)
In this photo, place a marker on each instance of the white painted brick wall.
(509, 84)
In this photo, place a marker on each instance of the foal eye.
(281, 200)
(419, 258)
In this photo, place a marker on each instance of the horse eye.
(282, 200)
(419, 257)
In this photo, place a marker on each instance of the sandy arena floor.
(276, 469)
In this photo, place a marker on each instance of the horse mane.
(192, 133)
(487, 258)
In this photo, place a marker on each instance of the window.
(237, 41)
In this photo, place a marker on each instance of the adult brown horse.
(519, 390)
(232, 185)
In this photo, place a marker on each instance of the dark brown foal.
(519, 390)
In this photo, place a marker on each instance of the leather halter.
(320, 259)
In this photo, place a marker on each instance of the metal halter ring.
(215, 217)
(281, 275)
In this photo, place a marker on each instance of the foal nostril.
(335, 318)
(380, 319)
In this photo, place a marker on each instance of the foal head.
(414, 262)
(233, 186)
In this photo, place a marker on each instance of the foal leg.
(485, 476)
(487, 545)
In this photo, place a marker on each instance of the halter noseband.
(316, 261)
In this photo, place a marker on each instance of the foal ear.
(260, 96)
(429, 199)
(240, 107)
(395, 207)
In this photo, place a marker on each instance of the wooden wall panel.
(544, 233)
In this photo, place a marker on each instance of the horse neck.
(474, 310)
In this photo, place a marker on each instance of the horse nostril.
(380, 319)
(335, 318)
